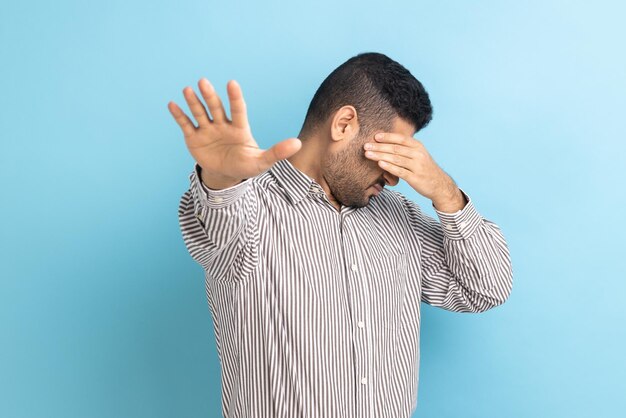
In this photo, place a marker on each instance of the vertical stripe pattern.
(316, 311)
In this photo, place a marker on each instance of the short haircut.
(379, 88)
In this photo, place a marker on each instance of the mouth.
(377, 189)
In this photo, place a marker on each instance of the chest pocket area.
(386, 275)
(389, 262)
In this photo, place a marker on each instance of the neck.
(309, 160)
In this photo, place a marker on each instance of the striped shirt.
(316, 311)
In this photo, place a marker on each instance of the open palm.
(225, 149)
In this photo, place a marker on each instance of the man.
(314, 270)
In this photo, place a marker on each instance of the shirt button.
(449, 227)
(218, 199)
(354, 267)
(364, 381)
(198, 215)
(462, 224)
(360, 324)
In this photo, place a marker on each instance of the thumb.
(280, 151)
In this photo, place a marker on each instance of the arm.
(465, 262)
(219, 226)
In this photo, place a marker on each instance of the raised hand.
(224, 149)
(407, 158)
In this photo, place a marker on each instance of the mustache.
(381, 183)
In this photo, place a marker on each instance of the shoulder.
(390, 199)
(388, 204)
(267, 189)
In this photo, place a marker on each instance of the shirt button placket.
(361, 350)
(359, 291)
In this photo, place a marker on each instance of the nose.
(390, 179)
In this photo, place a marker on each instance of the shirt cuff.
(215, 199)
(462, 223)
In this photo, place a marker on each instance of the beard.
(348, 174)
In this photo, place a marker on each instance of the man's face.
(351, 176)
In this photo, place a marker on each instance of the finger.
(398, 171)
(394, 159)
(197, 108)
(395, 138)
(280, 151)
(390, 148)
(182, 119)
(212, 100)
(238, 110)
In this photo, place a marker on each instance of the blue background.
(103, 312)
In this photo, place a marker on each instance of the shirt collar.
(293, 181)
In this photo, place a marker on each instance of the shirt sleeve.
(465, 261)
(219, 227)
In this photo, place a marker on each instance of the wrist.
(450, 202)
(216, 182)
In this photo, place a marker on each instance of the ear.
(344, 124)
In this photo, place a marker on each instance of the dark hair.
(378, 87)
